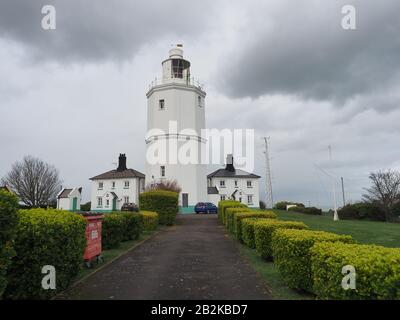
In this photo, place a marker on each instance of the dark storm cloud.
(98, 30)
(305, 52)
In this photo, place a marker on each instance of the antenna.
(268, 178)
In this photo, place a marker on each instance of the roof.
(114, 174)
(237, 173)
(65, 193)
(212, 190)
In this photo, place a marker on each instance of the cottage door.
(74, 204)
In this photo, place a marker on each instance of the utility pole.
(335, 214)
(268, 178)
(344, 199)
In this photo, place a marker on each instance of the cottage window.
(126, 199)
(126, 184)
(222, 183)
(99, 202)
(250, 199)
(236, 183)
(223, 197)
(100, 185)
(113, 184)
(249, 184)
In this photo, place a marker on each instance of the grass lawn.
(380, 233)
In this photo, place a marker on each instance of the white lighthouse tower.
(175, 118)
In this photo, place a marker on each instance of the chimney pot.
(122, 162)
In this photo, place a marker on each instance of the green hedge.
(263, 231)
(8, 225)
(45, 237)
(247, 230)
(308, 210)
(377, 271)
(230, 213)
(133, 225)
(165, 203)
(291, 252)
(223, 205)
(150, 220)
(238, 217)
(362, 211)
(113, 230)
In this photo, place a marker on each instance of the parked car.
(205, 207)
(130, 207)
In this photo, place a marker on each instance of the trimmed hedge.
(230, 214)
(291, 252)
(263, 231)
(223, 205)
(248, 231)
(113, 230)
(377, 271)
(165, 203)
(150, 220)
(45, 237)
(8, 225)
(133, 225)
(362, 211)
(238, 217)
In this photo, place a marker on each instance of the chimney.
(122, 162)
(229, 163)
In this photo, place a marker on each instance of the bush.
(133, 225)
(263, 234)
(238, 217)
(248, 231)
(150, 220)
(8, 224)
(86, 206)
(362, 211)
(45, 237)
(223, 205)
(113, 230)
(283, 204)
(291, 252)
(309, 210)
(377, 271)
(165, 203)
(262, 205)
(230, 213)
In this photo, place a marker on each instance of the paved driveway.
(195, 259)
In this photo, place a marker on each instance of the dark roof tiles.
(114, 174)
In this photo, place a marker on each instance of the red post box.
(93, 237)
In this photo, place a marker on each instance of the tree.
(35, 182)
(384, 191)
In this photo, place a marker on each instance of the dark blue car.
(205, 207)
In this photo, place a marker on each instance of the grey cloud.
(99, 30)
(304, 52)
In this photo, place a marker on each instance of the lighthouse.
(175, 118)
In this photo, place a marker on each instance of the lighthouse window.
(177, 68)
(161, 104)
(199, 101)
(162, 171)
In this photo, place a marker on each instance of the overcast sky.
(75, 96)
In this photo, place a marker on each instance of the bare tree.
(169, 185)
(385, 191)
(34, 181)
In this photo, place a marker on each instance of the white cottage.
(112, 189)
(233, 184)
(69, 199)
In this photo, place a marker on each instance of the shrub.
(230, 213)
(8, 224)
(113, 230)
(282, 205)
(237, 220)
(165, 203)
(168, 185)
(377, 271)
(362, 211)
(150, 220)
(45, 237)
(262, 205)
(86, 206)
(133, 225)
(309, 210)
(263, 234)
(223, 205)
(248, 231)
(291, 252)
